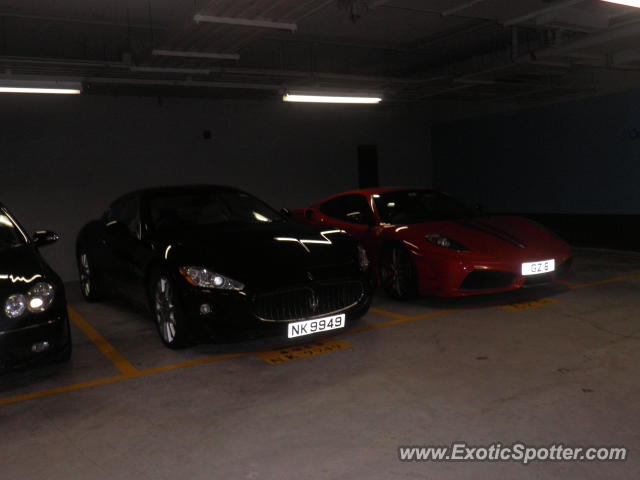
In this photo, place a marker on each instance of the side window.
(349, 208)
(126, 212)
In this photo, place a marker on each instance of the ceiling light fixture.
(628, 3)
(289, 97)
(38, 86)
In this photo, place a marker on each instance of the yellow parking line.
(400, 321)
(121, 363)
(130, 372)
(105, 381)
(58, 391)
(387, 314)
(606, 282)
(523, 306)
(194, 363)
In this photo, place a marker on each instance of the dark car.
(208, 259)
(33, 324)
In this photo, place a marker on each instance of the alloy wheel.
(85, 274)
(397, 272)
(165, 310)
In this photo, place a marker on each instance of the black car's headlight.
(445, 242)
(205, 278)
(37, 299)
(363, 259)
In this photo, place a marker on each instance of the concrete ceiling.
(525, 52)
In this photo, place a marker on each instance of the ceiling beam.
(190, 54)
(244, 22)
(590, 41)
(460, 7)
(85, 21)
(537, 13)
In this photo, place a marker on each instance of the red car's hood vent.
(492, 230)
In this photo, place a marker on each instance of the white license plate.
(317, 325)
(535, 268)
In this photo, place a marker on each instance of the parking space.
(554, 363)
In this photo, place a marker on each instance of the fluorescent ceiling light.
(44, 86)
(329, 99)
(59, 91)
(628, 3)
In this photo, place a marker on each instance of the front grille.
(308, 301)
(487, 280)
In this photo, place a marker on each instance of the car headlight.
(445, 242)
(363, 259)
(202, 277)
(38, 299)
(15, 305)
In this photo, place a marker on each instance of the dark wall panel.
(581, 157)
(64, 158)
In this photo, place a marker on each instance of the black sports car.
(208, 258)
(33, 324)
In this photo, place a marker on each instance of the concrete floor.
(563, 370)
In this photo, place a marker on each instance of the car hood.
(493, 236)
(19, 267)
(280, 252)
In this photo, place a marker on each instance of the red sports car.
(423, 242)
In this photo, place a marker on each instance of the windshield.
(419, 206)
(9, 234)
(199, 208)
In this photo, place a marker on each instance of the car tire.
(89, 278)
(398, 273)
(167, 313)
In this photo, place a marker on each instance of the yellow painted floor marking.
(400, 321)
(194, 363)
(121, 363)
(58, 391)
(132, 372)
(384, 313)
(105, 381)
(284, 355)
(521, 307)
(606, 282)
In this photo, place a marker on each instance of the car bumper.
(211, 313)
(476, 276)
(26, 344)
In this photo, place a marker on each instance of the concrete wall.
(63, 159)
(580, 157)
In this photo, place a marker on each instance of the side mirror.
(45, 237)
(286, 213)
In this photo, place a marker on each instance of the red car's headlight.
(444, 242)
